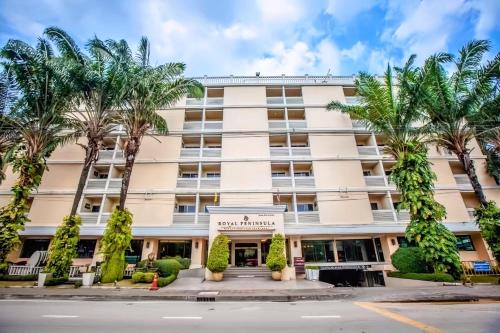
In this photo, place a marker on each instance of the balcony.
(383, 215)
(89, 218)
(210, 183)
(471, 212)
(215, 101)
(403, 216)
(282, 182)
(203, 218)
(279, 151)
(308, 217)
(374, 180)
(104, 218)
(297, 124)
(184, 218)
(187, 183)
(277, 124)
(353, 100)
(192, 125)
(110, 155)
(275, 100)
(96, 184)
(304, 182)
(194, 101)
(463, 181)
(189, 153)
(213, 125)
(115, 184)
(294, 100)
(289, 217)
(301, 151)
(367, 151)
(211, 152)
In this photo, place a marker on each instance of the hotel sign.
(248, 222)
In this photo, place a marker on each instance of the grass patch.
(435, 277)
(12, 284)
(126, 284)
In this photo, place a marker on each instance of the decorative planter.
(312, 274)
(88, 279)
(218, 276)
(42, 277)
(276, 275)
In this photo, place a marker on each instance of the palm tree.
(7, 135)
(93, 81)
(37, 117)
(455, 100)
(394, 113)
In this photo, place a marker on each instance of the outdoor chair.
(33, 266)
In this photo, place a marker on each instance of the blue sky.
(274, 37)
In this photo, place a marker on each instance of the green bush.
(276, 260)
(185, 262)
(436, 277)
(143, 264)
(167, 267)
(137, 277)
(78, 284)
(409, 260)
(488, 219)
(55, 281)
(219, 254)
(312, 267)
(148, 277)
(4, 267)
(62, 249)
(165, 281)
(31, 277)
(115, 241)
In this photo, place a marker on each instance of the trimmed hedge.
(31, 277)
(276, 260)
(167, 267)
(165, 281)
(436, 277)
(219, 254)
(185, 262)
(139, 277)
(55, 281)
(62, 249)
(410, 260)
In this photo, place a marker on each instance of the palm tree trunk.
(91, 152)
(470, 170)
(130, 154)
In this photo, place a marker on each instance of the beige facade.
(257, 142)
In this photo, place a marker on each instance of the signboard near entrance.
(299, 263)
(248, 222)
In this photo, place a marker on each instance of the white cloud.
(239, 31)
(279, 11)
(488, 16)
(344, 12)
(355, 52)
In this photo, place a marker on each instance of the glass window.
(213, 174)
(318, 251)
(172, 249)
(305, 207)
(367, 173)
(378, 247)
(464, 243)
(134, 253)
(186, 209)
(189, 175)
(85, 248)
(96, 208)
(355, 250)
(279, 174)
(302, 174)
(403, 242)
(32, 245)
(374, 205)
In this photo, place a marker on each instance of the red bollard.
(154, 285)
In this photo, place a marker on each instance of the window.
(403, 242)
(134, 254)
(186, 209)
(302, 174)
(276, 145)
(213, 174)
(309, 207)
(388, 172)
(378, 247)
(172, 249)
(367, 173)
(374, 205)
(279, 174)
(356, 250)
(85, 248)
(103, 176)
(32, 245)
(395, 204)
(299, 145)
(464, 243)
(213, 146)
(318, 251)
(96, 208)
(189, 175)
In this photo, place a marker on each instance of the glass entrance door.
(246, 255)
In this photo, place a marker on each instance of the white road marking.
(182, 318)
(320, 317)
(60, 316)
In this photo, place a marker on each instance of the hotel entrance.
(249, 253)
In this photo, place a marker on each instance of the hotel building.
(254, 156)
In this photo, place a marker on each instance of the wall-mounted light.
(294, 243)
(393, 241)
(196, 244)
(147, 245)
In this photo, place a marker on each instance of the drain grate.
(205, 299)
(206, 296)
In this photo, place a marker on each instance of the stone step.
(247, 272)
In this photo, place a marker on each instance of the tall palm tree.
(394, 113)
(7, 134)
(456, 99)
(38, 118)
(92, 78)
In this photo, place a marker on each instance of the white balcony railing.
(289, 217)
(190, 152)
(106, 154)
(277, 124)
(301, 151)
(203, 218)
(308, 217)
(104, 218)
(213, 125)
(89, 218)
(211, 152)
(96, 184)
(294, 100)
(384, 215)
(282, 181)
(403, 216)
(194, 101)
(279, 151)
(275, 100)
(215, 101)
(462, 181)
(115, 184)
(356, 124)
(367, 150)
(471, 212)
(374, 180)
(304, 182)
(184, 218)
(209, 182)
(353, 100)
(192, 125)
(297, 124)
(187, 182)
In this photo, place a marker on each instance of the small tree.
(219, 254)
(488, 219)
(115, 241)
(276, 260)
(63, 247)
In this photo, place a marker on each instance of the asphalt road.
(312, 317)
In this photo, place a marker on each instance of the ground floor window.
(85, 248)
(172, 249)
(318, 251)
(464, 243)
(403, 242)
(134, 253)
(355, 250)
(32, 245)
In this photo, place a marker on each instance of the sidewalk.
(381, 294)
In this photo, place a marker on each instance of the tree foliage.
(488, 219)
(276, 259)
(219, 254)
(63, 247)
(115, 241)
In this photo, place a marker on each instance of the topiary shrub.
(167, 267)
(219, 254)
(185, 262)
(409, 260)
(165, 281)
(115, 241)
(137, 277)
(30, 277)
(62, 249)
(55, 281)
(148, 277)
(276, 260)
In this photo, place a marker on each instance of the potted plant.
(42, 277)
(312, 273)
(88, 277)
(218, 257)
(276, 260)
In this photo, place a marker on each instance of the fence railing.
(24, 270)
(480, 267)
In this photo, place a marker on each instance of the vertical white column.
(391, 203)
(294, 202)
